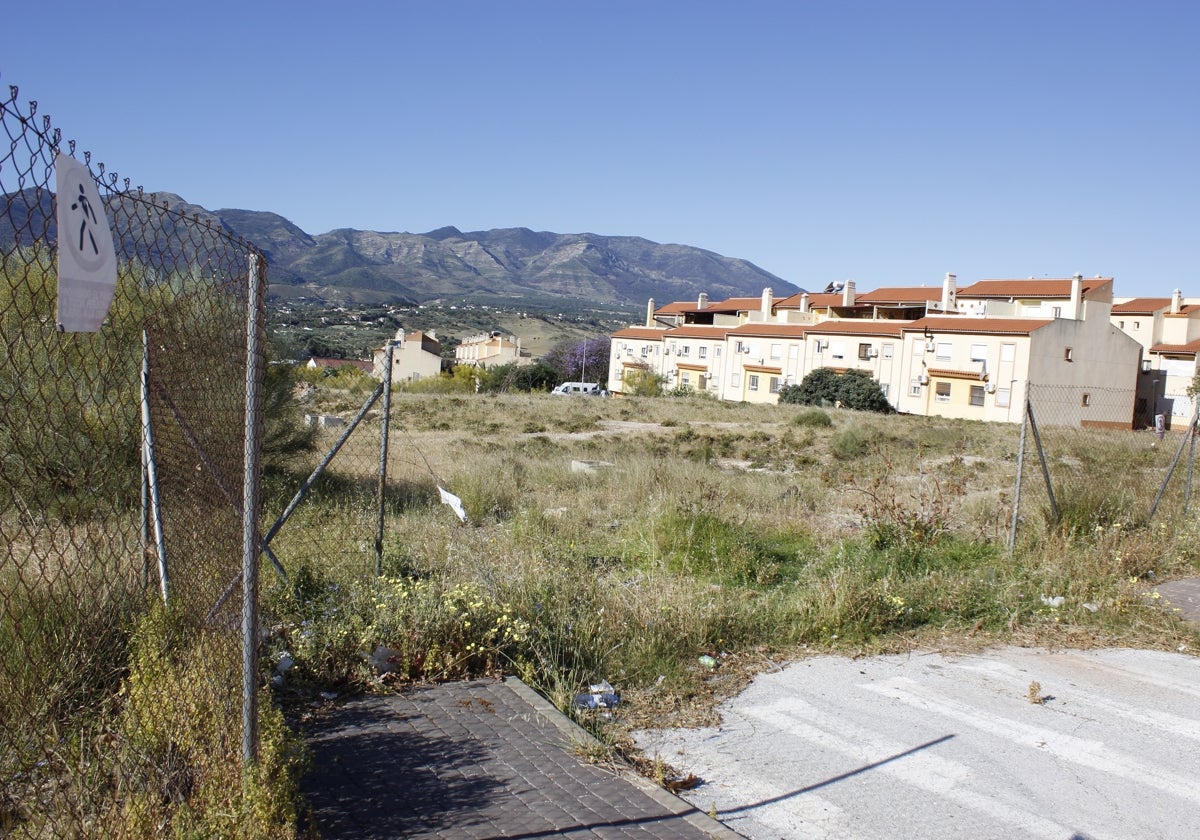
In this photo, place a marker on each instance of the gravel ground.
(1012, 742)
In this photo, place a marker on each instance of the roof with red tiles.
(771, 330)
(736, 304)
(677, 308)
(699, 331)
(984, 326)
(1141, 306)
(646, 333)
(1189, 349)
(901, 294)
(864, 327)
(1032, 288)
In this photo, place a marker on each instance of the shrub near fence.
(120, 716)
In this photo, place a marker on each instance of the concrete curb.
(575, 732)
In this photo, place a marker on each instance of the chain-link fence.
(1083, 465)
(124, 493)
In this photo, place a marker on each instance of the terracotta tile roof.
(700, 366)
(772, 330)
(901, 294)
(762, 369)
(864, 327)
(947, 373)
(1033, 288)
(1185, 311)
(645, 333)
(677, 308)
(1141, 306)
(699, 331)
(1189, 349)
(824, 299)
(736, 304)
(982, 326)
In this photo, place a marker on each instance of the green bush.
(824, 386)
(848, 444)
(813, 417)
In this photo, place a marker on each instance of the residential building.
(490, 350)
(1168, 329)
(416, 355)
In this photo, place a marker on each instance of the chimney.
(848, 293)
(650, 313)
(768, 301)
(1176, 302)
(702, 301)
(804, 302)
(1077, 297)
(949, 293)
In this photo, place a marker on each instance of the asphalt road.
(932, 746)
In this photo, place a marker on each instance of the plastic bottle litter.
(600, 695)
(707, 661)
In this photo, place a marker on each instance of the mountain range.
(357, 266)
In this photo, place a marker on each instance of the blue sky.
(884, 142)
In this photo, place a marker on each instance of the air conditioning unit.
(873, 353)
(990, 388)
(924, 379)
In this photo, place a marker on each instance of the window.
(735, 379)
(1008, 352)
(1087, 400)
(645, 351)
(887, 350)
(976, 395)
(776, 351)
(838, 349)
(978, 352)
(685, 379)
(1120, 325)
(883, 386)
(1145, 365)
(1003, 396)
(794, 351)
(1056, 311)
(918, 347)
(753, 382)
(674, 348)
(914, 388)
(629, 351)
(1137, 325)
(702, 352)
(774, 383)
(686, 350)
(864, 351)
(942, 392)
(1067, 354)
(717, 352)
(944, 349)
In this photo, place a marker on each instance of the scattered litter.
(455, 503)
(1090, 607)
(707, 661)
(286, 663)
(329, 695)
(590, 466)
(383, 659)
(600, 695)
(1056, 601)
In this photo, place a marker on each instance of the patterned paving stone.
(478, 759)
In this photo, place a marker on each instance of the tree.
(824, 386)
(583, 361)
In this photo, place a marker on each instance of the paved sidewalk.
(478, 759)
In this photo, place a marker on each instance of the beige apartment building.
(1168, 330)
(935, 350)
(417, 355)
(489, 350)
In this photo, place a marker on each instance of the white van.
(587, 389)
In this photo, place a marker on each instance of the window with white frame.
(717, 352)
(645, 351)
(735, 379)
(1008, 352)
(914, 388)
(864, 351)
(774, 383)
(944, 350)
(1003, 397)
(776, 351)
(702, 351)
(978, 352)
(918, 346)
(888, 349)
(883, 386)
(686, 350)
(685, 378)
(794, 351)
(941, 392)
(837, 349)
(976, 395)
(753, 382)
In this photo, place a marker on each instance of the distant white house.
(416, 356)
(490, 350)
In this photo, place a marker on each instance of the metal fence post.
(255, 329)
(1016, 504)
(1037, 439)
(151, 473)
(383, 453)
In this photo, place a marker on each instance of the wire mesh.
(103, 689)
(1082, 474)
